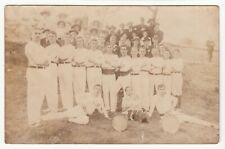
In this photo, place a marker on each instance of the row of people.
(79, 69)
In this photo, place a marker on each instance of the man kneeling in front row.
(165, 105)
(86, 105)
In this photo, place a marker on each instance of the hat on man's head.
(93, 29)
(76, 25)
(146, 39)
(161, 87)
(45, 12)
(136, 39)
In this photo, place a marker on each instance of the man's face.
(134, 52)
(166, 54)
(155, 52)
(94, 44)
(145, 34)
(136, 42)
(52, 38)
(73, 34)
(68, 39)
(128, 91)
(36, 36)
(113, 40)
(176, 53)
(80, 42)
(142, 52)
(162, 92)
(109, 49)
(123, 51)
(61, 25)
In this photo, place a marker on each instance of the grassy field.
(200, 98)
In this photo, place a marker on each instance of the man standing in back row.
(36, 78)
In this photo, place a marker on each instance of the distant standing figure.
(210, 48)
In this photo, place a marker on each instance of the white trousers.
(94, 76)
(52, 87)
(167, 79)
(177, 84)
(136, 85)
(154, 81)
(79, 80)
(123, 82)
(109, 92)
(65, 84)
(144, 89)
(36, 89)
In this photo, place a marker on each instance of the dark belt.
(37, 67)
(134, 74)
(78, 65)
(166, 74)
(93, 67)
(161, 114)
(54, 62)
(154, 73)
(64, 63)
(124, 73)
(108, 71)
(176, 72)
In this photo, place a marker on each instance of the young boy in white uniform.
(109, 65)
(124, 79)
(79, 69)
(132, 106)
(65, 72)
(167, 70)
(165, 104)
(177, 76)
(52, 85)
(36, 78)
(86, 105)
(95, 58)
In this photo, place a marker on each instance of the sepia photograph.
(112, 74)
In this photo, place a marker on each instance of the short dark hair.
(59, 22)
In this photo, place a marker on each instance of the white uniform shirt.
(110, 61)
(80, 56)
(131, 102)
(95, 57)
(52, 51)
(35, 53)
(177, 64)
(167, 66)
(136, 65)
(125, 63)
(163, 104)
(156, 64)
(66, 52)
(144, 63)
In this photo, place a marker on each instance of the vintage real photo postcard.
(111, 74)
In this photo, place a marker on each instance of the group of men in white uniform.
(80, 71)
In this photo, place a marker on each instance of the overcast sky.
(179, 23)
